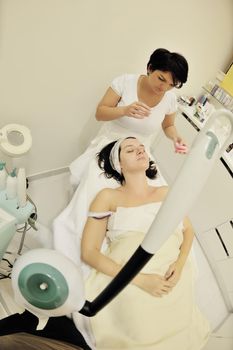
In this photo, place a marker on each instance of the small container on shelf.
(229, 148)
(200, 113)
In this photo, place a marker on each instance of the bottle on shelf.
(229, 148)
(3, 176)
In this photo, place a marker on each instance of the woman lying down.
(157, 311)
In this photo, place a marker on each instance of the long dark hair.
(103, 158)
(166, 61)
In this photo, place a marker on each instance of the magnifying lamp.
(15, 140)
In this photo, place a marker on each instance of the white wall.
(57, 57)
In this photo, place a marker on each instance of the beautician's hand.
(138, 110)
(154, 284)
(180, 145)
(173, 273)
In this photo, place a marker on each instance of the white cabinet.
(217, 243)
(231, 297)
(211, 243)
(226, 233)
(214, 206)
(225, 268)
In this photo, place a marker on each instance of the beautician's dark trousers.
(59, 328)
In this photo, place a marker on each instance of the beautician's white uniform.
(145, 129)
(85, 173)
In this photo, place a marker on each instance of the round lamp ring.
(43, 286)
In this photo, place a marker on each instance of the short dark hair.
(173, 62)
(103, 158)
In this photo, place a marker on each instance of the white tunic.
(145, 129)
(126, 87)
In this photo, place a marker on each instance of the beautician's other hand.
(173, 273)
(180, 145)
(154, 284)
(138, 110)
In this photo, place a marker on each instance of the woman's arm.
(174, 271)
(188, 235)
(93, 237)
(107, 108)
(168, 126)
(170, 131)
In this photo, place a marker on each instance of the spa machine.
(15, 209)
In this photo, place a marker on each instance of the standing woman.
(153, 104)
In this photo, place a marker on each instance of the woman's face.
(133, 156)
(160, 82)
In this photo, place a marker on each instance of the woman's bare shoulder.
(160, 193)
(107, 192)
(105, 197)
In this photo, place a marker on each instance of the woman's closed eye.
(141, 149)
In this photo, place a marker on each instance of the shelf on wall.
(217, 100)
(188, 114)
